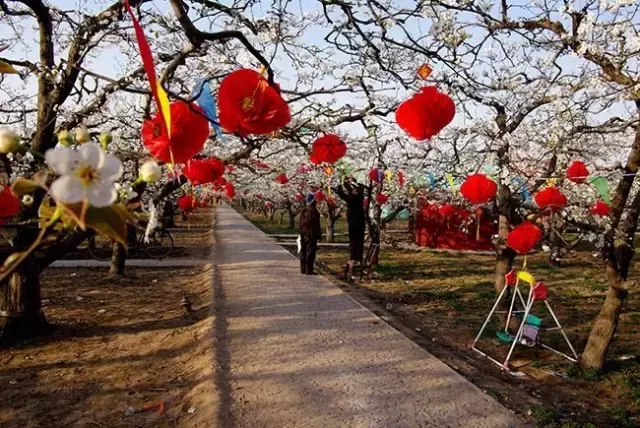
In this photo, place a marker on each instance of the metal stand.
(537, 292)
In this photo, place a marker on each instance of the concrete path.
(295, 351)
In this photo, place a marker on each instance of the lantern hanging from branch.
(381, 199)
(203, 171)
(281, 178)
(577, 172)
(9, 204)
(328, 148)
(600, 208)
(229, 190)
(478, 189)
(187, 203)
(376, 175)
(550, 200)
(426, 113)
(524, 237)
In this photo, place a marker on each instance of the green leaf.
(24, 186)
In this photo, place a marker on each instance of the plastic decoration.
(203, 171)
(524, 237)
(9, 204)
(511, 278)
(602, 186)
(247, 104)
(424, 71)
(328, 148)
(540, 292)
(426, 113)
(577, 172)
(299, 197)
(281, 179)
(551, 199)
(478, 189)
(600, 208)
(381, 199)
(189, 132)
(204, 97)
(229, 190)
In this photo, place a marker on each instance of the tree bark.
(505, 256)
(331, 230)
(118, 260)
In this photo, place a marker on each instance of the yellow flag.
(164, 106)
(551, 182)
(6, 68)
(449, 178)
(526, 277)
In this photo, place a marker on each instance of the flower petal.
(101, 194)
(91, 154)
(68, 189)
(61, 160)
(111, 168)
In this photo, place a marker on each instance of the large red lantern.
(281, 179)
(249, 105)
(426, 113)
(187, 203)
(381, 199)
(600, 208)
(203, 171)
(229, 190)
(9, 204)
(478, 189)
(328, 148)
(577, 172)
(189, 132)
(550, 199)
(524, 237)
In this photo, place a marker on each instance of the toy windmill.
(530, 329)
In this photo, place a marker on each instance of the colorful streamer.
(602, 187)
(207, 103)
(452, 183)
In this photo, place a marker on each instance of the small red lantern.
(187, 203)
(426, 113)
(203, 171)
(189, 132)
(447, 211)
(524, 237)
(299, 198)
(376, 175)
(401, 178)
(577, 172)
(328, 148)
(600, 208)
(381, 199)
(249, 105)
(229, 190)
(260, 164)
(320, 196)
(281, 179)
(550, 199)
(478, 189)
(9, 204)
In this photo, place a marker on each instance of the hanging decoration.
(524, 237)
(447, 211)
(299, 197)
(433, 184)
(452, 183)
(600, 209)
(426, 113)
(521, 187)
(478, 189)
(577, 172)
(424, 71)
(320, 196)
(203, 171)
(281, 179)
(187, 203)
(229, 190)
(204, 97)
(381, 199)
(376, 175)
(9, 204)
(188, 132)
(260, 164)
(602, 186)
(550, 200)
(328, 148)
(249, 105)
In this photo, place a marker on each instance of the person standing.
(353, 194)
(310, 233)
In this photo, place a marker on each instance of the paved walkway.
(295, 351)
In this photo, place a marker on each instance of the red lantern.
(426, 113)
(268, 205)
(600, 209)
(376, 175)
(478, 189)
(229, 190)
(550, 199)
(187, 203)
(447, 210)
(249, 105)
(219, 183)
(577, 172)
(281, 179)
(524, 237)
(189, 132)
(320, 196)
(401, 178)
(299, 198)
(203, 171)
(328, 148)
(260, 164)
(9, 204)
(381, 199)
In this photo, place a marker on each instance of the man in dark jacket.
(310, 233)
(353, 194)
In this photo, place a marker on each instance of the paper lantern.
(203, 171)
(426, 113)
(550, 199)
(9, 204)
(219, 183)
(600, 208)
(189, 131)
(381, 199)
(260, 164)
(247, 104)
(447, 211)
(577, 172)
(229, 190)
(187, 203)
(320, 196)
(328, 148)
(524, 237)
(281, 179)
(376, 175)
(299, 197)
(478, 189)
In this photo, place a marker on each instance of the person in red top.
(310, 234)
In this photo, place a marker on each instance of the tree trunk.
(20, 304)
(118, 260)
(505, 256)
(292, 219)
(331, 230)
(168, 213)
(281, 218)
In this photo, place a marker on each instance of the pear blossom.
(153, 221)
(86, 173)
(82, 135)
(9, 141)
(64, 138)
(150, 172)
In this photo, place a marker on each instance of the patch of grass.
(544, 416)
(577, 372)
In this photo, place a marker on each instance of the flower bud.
(105, 139)
(150, 172)
(9, 141)
(27, 200)
(64, 138)
(82, 135)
